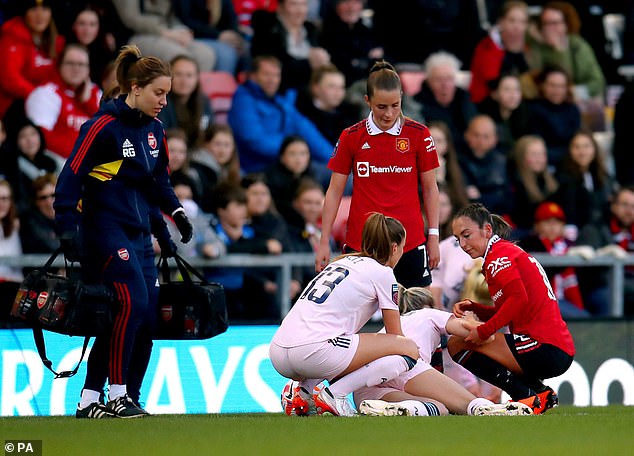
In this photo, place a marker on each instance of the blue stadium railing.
(285, 262)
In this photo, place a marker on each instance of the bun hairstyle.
(133, 68)
(382, 76)
(413, 298)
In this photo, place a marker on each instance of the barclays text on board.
(230, 373)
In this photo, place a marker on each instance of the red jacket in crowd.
(24, 65)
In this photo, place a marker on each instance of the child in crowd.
(267, 224)
(305, 230)
(216, 161)
(550, 221)
(179, 163)
(284, 175)
(247, 296)
(206, 242)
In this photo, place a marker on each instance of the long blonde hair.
(474, 286)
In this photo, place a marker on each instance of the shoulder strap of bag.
(41, 350)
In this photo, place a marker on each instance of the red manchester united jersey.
(522, 297)
(386, 166)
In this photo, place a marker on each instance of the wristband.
(433, 232)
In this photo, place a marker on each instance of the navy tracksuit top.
(117, 173)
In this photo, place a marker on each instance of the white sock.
(88, 397)
(116, 391)
(378, 371)
(418, 408)
(476, 402)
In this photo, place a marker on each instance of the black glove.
(168, 248)
(69, 243)
(184, 226)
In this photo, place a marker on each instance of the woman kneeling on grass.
(539, 344)
(318, 338)
(423, 391)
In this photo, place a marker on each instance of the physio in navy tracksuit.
(109, 199)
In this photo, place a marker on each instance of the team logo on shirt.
(127, 149)
(498, 265)
(123, 254)
(402, 144)
(151, 140)
(395, 293)
(363, 169)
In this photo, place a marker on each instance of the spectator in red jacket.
(548, 237)
(244, 10)
(60, 108)
(28, 50)
(501, 51)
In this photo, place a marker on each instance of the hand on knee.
(410, 348)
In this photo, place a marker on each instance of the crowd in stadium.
(518, 97)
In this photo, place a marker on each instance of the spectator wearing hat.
(28, 51)
(548, 237)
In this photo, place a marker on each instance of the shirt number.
(328, 279)
(551, 293)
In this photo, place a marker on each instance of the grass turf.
(562, 431)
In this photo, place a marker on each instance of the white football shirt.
(339, 300)
(425, 326)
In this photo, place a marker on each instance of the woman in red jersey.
(389, 156)
(539, 344)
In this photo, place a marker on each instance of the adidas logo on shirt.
(365, 146)
(127, 149)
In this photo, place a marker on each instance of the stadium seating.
(219, 86)
(412, 80)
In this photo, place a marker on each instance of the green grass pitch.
(565, 430)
